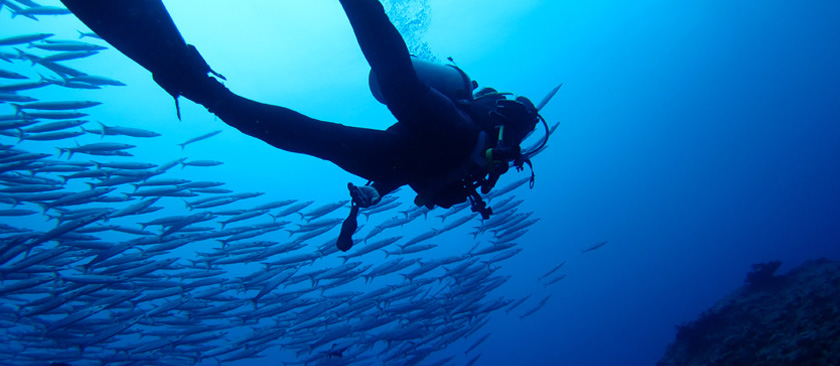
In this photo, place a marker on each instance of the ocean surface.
(695, 139)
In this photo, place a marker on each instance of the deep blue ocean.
(695, 138)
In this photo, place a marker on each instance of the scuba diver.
(447, 141)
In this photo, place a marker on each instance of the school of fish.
(118, 272)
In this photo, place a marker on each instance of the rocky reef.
(790, 319)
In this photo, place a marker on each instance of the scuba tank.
(449, 80)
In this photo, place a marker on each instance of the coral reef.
(790, 319)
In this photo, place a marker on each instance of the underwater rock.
(790, 319)
(762, 273)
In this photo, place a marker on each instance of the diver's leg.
(144, 31)
(387, 54)
(371, 154)
(423, 110)
(140, 29)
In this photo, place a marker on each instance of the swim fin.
(348, 227)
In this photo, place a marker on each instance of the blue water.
(697, 139)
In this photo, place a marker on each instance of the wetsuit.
(432, 137)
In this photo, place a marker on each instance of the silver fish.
(24, 38)
(199, 138)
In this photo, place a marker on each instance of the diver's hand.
(364, 196)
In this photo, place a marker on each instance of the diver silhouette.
(447, 141)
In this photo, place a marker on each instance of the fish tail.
(81, 35)
(17, 312)
(44, 206)
(102, 129)
(24, 56)
(182, 145)
(62, 82)
(16, 107)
